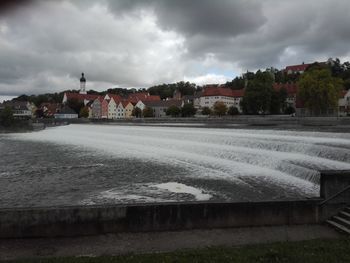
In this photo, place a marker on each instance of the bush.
(6, 117)
(188, 110)
(147, 112)
(220, 108)
(289, 110)
(173, 111)
(206, 111)
(232, 111)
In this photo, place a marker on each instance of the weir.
(92, 220)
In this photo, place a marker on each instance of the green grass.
(318, 251)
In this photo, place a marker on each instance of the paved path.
(114, 244)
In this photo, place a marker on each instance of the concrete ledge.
(92, 220)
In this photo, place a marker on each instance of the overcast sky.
(45, 45)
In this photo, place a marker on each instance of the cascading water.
(259, 160)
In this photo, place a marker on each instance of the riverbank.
(22, 126)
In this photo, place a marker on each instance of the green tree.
(289, 110)
(136, 112)
(188, 110)
(220, 108)
(173, 111)
(6, 117)
(278, 101)
(319, 90)
(257, 97)
(232, 111)
(84, 112)
(206, 111)
(148, 112)
(75, 104)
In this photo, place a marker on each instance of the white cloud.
(208, 79)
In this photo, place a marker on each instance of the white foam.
(288, 158)
(184, 189)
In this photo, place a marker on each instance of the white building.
(344, 104)
(212, 94)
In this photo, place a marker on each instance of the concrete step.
(339, 226)
(341, 220)
(345, 215)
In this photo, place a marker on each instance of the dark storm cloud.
(137, 43)
(11, 5)
(207, 17)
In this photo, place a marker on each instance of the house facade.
(344, 103)
(128, 109)
(160, 107)
(211, 94)
(96, 108)
(292, 90)
(66, 113)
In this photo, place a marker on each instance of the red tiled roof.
(115, 97)
(301, 67)
(125, 103)
(143, 96)
(81, 97)
(218, 91)
(291, 88)
(51, 108)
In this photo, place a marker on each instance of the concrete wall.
(72, 221)
(332, 182)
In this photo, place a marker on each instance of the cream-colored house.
(112, 109)
(120, 111)
(128, 109)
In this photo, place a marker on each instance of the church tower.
(82, 84)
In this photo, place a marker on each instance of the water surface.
(97, 164)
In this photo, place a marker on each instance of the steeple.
(82, 84)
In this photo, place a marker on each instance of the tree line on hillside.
(168, 90)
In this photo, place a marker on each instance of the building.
(297, 68)
(143, 96)
(21, 109)
(344, 103)
(66, 113)
(49, 109)
(160, 107)
(82, 84)
(292, 90)
(211, 94)
(96, 108)
(82, 96)
(128, 109)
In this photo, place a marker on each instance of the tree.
(319, 90)
(84, 112)
(137, 112)
(188, 110)
(6, 117)
(173, 111)
(289, 110)
(75, 104)
(167, 90)
(257, 97)
(147, 112)
(220, 108)
(232, 111)
(278, 101)
(206, 111)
